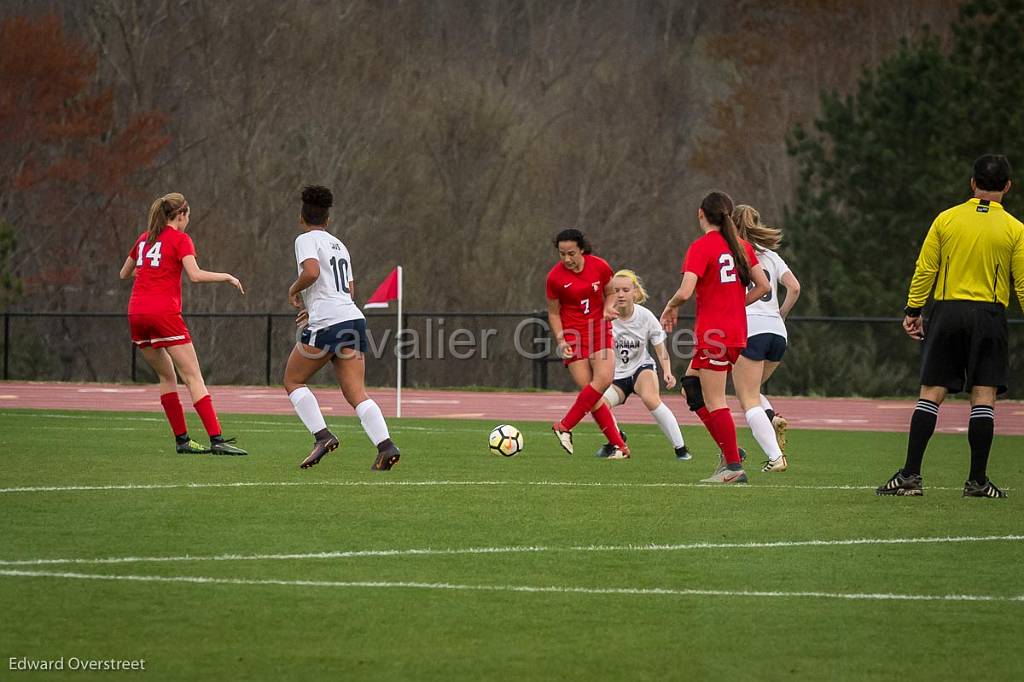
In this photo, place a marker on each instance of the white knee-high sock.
(308, 409)
(373, 422)
(764, 402)
(669, 425)
(611, 396)
(764, 434)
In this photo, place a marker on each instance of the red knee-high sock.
(585, 402)
(606, 420)
(723, 430)
(204, 407)
(175, 414)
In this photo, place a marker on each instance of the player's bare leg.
(350, 370)
(746, 375)
(649, 390)
(161, 363)
(303, 363)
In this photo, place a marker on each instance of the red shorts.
(717, 358)
(158, 330)
(584, 345)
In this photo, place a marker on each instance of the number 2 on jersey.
(340, 268)
(153, 255)
(727, 273)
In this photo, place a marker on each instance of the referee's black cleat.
(225, 446)
(387, 456)
(902, 485)
(986, 489)
(190, 447)
(683, 454)
(321, 446)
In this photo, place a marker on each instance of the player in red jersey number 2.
(156, 262)
(718, 268)
(580, 306)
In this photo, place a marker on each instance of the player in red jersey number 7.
(718, 268)
(580, 305)
(156, 261)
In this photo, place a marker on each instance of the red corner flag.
(389, 290)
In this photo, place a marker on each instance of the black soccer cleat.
(902, 485)
(683, 454)
(986, 489)
(605, 450)
(386, 458)
(225, 446)
(321, 446)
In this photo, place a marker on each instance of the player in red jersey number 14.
(156, 262)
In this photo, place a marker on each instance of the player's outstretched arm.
(197, 275)
(128, 269)
(792, 285)
(670, 314)
(666, 365)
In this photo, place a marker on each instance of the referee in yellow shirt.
(971, 254)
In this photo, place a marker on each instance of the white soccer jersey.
(329, 299)
(763, 315)
(631, 338)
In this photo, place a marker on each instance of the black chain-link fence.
(866, 356)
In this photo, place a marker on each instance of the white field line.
(552, 589)
(527, 549)
(423, 484)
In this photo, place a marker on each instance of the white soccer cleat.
(564, 437)
(727, 476)
(619, 453)
(775, 465)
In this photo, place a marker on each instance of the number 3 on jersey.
(727, 273)
(153, 255)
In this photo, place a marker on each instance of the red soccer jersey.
(581, 294)
(157, 287)
(721, 296)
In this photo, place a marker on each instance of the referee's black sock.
(922, 426)
(979, 434)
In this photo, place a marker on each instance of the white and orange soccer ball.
(505, 440)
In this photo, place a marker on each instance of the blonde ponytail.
(748, 221)
(640, 294)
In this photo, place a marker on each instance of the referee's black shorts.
(966, 345)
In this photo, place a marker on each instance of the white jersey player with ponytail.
(766, 339)
(635, 329)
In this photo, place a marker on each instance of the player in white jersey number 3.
(333, 330)
(635, 328)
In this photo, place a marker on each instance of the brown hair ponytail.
(748, 221)
(161, 212)
(717, 208)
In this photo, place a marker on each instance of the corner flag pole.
(398, 349)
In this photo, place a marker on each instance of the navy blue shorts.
(770, 347)
(627, 384)
(347, 334)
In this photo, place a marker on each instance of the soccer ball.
(505, 440)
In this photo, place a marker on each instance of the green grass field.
(539, 566)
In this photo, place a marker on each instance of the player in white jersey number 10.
(635, 328)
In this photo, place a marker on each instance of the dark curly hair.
(571, 234)
(316, 204)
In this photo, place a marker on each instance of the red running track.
(850, 414)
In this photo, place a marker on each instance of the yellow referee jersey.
(970, 254)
